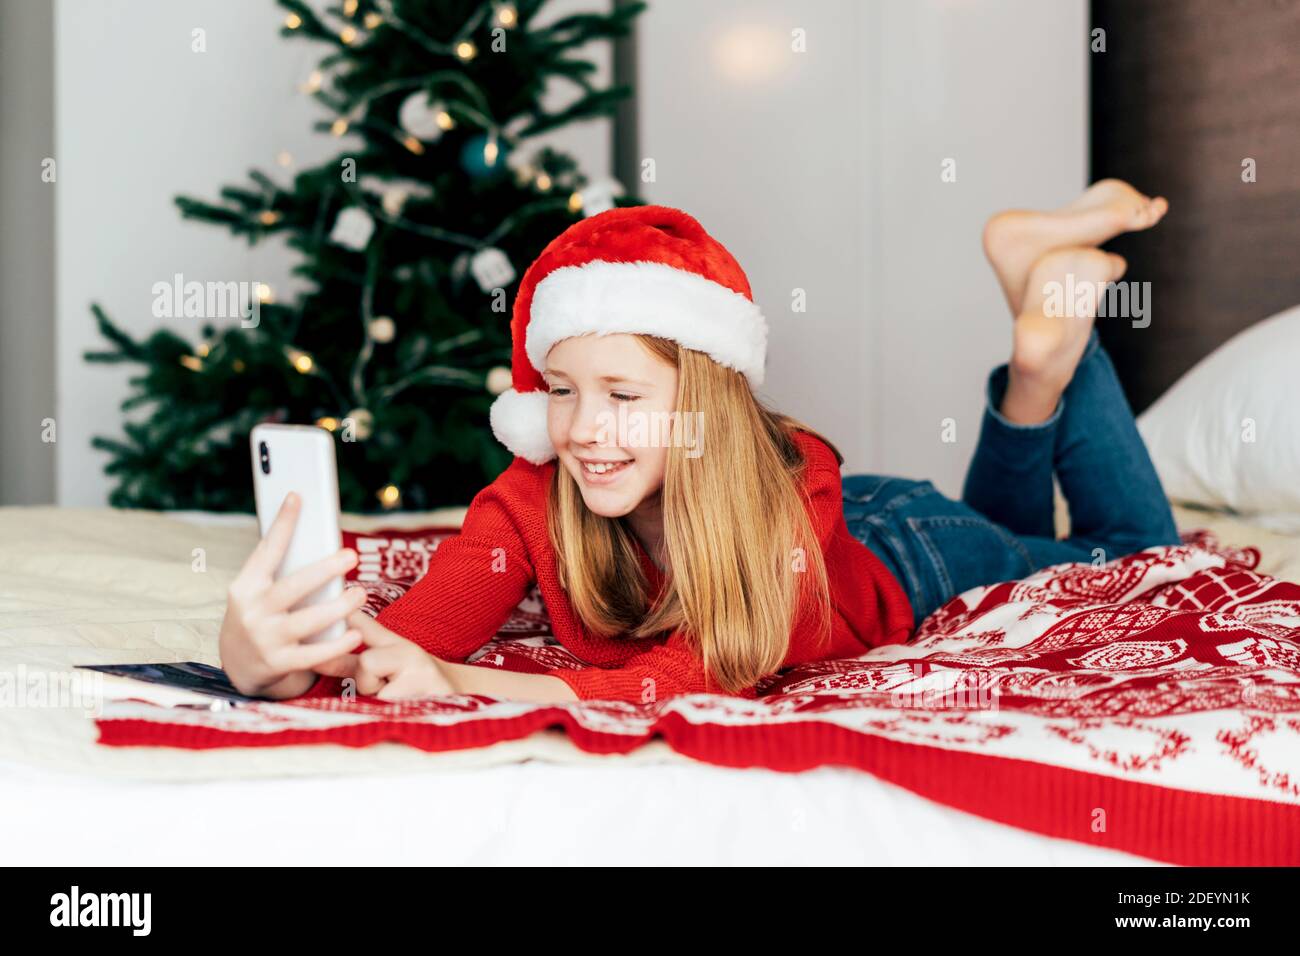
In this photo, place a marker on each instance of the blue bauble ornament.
(473, 157)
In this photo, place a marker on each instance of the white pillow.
(1227, 434)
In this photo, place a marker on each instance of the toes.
(1150, 212)
(1118, 265)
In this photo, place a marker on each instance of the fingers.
(416, 685)
(307, 657)
(289, 590)
(372, 632)
(270, 551)
(408, 688)
(345, 666)
(312, 620)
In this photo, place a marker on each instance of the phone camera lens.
(265, 453)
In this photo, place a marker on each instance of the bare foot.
(1016, 239)
(1047, 346)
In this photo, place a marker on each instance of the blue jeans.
(1004, 527)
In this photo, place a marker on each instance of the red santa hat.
(643, 269)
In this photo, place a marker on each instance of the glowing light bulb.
(191, 363)
(444, 119)
(301, 361)
(389, 496)
(466, 50)
(372, 20)
(348, 35)
(329, 423)
(265, 293)
(268, 217)
(543, 182)
(414, 145)
(506, 15)
(293, 21)
(339, 126)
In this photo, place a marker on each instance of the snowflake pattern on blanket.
(1151, 704)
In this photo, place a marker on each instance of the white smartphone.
(301, 458)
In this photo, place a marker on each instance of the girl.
(684, 537)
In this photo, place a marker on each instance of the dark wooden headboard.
(1185, 92)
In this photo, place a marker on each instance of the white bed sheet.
(532, 813)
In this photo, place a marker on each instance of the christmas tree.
(412, 244)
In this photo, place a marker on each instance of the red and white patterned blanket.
(1150, 705)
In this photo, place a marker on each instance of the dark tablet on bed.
(189, 675)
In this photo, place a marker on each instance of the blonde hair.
(736, 529)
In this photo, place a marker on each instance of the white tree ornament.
(353, 228)
(599, 196)
(418, 116)
(491, 269)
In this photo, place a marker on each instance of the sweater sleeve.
(664, 671)
(473, 582)
(825, 489)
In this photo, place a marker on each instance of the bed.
(104, 586)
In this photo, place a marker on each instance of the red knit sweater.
(478, 577)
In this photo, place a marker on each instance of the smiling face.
(590, 379)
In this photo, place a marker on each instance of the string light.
(339, 126)
(314, 81)
(575, 202)
(203, 349)
(300, 360)
(466, 50)
(329, 423)
(265, 294)
(445, 120)
(191, 363)
(490, 151)
(543, 182)
(414, 145)
(268, 217)
(349, 7)
(348, 35)
(389, 496)
(284, 158)
(293, 21)
(506, 14)
(372, 20)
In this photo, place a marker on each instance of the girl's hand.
(391, 667)
(261, 644)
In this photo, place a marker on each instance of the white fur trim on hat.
(519, 422)
(649, 298)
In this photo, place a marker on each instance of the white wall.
(821, 171)
(140, 119)
(26, 253)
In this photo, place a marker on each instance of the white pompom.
(519, 422)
